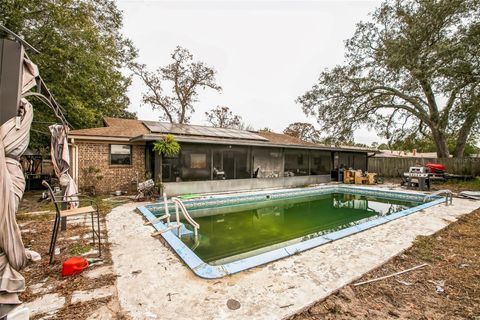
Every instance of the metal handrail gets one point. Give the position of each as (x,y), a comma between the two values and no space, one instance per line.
(165,216)
(447,193)
(179,203)
(165,205)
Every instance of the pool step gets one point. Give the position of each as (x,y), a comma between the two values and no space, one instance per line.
(183,230)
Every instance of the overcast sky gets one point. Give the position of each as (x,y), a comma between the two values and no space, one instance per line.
(266,53)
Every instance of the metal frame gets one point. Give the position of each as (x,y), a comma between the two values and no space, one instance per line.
(58,218)
(42,90)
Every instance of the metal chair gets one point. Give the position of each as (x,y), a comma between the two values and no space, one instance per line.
(145,189)
(63,213)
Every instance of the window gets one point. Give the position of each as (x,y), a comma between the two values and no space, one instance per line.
(351,160)
(120,154)
(231,162)
(296,163)
(320,162)
(198,161)
(194,163)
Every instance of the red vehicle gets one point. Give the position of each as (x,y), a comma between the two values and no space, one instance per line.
(436,168)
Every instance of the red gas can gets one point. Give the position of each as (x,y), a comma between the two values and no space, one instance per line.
(73,266)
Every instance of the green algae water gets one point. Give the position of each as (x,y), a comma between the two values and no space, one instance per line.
(235,232)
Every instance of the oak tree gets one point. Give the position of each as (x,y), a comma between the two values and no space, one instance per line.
(173,89)
(82,53)
(413,69)
(303,130)
(223,117)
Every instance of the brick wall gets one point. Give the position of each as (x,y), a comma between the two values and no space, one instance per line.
(115,177)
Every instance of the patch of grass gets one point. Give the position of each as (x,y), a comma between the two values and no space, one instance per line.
(471,184)
(104,206)
(35,206)
(23,217)
(79,248)
(424,248)
(460,185)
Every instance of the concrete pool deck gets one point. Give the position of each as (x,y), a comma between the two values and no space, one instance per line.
(153,283)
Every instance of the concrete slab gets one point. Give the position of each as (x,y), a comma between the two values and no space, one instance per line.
(103,313)
(41,287)
(98,272)
(48,304)
(170,290)
(84,296)
(92,251)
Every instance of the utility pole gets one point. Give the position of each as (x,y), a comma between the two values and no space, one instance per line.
(11,73)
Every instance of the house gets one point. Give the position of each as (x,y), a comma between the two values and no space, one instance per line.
(405,154)
(210,160)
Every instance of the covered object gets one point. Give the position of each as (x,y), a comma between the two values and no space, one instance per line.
(14,139)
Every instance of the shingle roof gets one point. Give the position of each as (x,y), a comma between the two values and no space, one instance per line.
(115,127)
(136,130)
(284,139)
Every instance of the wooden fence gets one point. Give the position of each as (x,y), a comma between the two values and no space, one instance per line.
(389,166)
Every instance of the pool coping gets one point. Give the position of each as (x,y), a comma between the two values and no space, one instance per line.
(207,271)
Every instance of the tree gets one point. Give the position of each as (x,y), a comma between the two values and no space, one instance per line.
(82,52)
(265,129)
(426,144)
(302,130)
(247,127)
(185,77)
(223,117)
(414,69)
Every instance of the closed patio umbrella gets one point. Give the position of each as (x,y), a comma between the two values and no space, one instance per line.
(61,161)
(14,139)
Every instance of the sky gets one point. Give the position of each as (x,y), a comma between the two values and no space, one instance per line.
(266,52)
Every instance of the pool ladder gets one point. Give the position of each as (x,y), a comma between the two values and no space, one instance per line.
(177,224)
(447,193)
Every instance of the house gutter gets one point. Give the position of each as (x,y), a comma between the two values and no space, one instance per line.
(99,138)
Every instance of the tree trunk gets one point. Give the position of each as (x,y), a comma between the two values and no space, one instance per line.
(463,134)
(441,143)
(460,145)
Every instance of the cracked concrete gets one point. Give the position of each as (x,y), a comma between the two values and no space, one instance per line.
(167,289)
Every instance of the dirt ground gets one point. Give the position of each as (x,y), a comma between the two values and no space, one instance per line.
(36,232)
(447,288)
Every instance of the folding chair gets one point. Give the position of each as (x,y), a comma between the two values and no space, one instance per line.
(63,213)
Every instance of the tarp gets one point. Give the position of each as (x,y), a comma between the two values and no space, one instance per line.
(475,195)
(14,139)
(61,162)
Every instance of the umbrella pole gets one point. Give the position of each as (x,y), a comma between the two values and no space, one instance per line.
(63,223)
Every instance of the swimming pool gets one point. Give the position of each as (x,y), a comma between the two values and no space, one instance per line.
(245,230)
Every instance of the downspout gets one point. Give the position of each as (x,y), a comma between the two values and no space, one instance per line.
(74,161)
